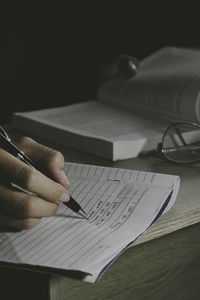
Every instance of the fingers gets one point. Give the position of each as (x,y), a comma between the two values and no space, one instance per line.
(31,179)
(8,221)
(24,205)
(48,161)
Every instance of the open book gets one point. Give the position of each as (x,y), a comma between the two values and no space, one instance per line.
(121,205)
(130,113)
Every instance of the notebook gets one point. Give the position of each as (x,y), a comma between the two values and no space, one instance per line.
(121,205)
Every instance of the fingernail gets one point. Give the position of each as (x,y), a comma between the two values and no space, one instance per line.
(132,67)
(65,197)
(64,178)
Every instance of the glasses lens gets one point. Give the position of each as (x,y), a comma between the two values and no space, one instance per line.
(181,143)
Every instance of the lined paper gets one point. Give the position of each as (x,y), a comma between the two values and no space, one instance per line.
(121,205)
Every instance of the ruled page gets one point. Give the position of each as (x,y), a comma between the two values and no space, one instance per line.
(121,205)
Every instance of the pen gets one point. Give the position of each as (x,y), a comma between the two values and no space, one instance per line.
(6,144)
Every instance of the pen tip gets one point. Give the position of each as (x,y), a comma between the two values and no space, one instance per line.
(82,214)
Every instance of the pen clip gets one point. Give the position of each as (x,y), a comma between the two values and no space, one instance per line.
(12,149)
(21,156)
(4,133)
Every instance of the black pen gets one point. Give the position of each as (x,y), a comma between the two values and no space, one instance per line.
(6,144)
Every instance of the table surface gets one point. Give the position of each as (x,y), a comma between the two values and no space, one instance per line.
(185,211)
(155,269)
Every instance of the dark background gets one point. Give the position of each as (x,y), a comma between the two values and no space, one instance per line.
(50,52)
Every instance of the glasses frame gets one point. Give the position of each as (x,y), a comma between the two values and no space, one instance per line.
(159,153)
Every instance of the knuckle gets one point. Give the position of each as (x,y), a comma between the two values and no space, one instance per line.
(25,178)
(26,207)
(51,157)
(55,157)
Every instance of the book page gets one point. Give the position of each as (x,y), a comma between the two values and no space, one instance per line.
(121,205)
(94,127)
(94,119)
(167,85)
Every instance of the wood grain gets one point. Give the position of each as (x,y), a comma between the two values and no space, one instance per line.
(165,268)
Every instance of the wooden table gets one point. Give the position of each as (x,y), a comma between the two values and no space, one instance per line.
(163,264)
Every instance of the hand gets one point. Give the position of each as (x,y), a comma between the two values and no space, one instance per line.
(19,210)
(121,64)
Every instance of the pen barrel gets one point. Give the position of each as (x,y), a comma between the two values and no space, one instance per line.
(7,145)
(73,205)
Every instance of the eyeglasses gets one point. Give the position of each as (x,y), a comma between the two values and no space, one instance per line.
(180,144)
